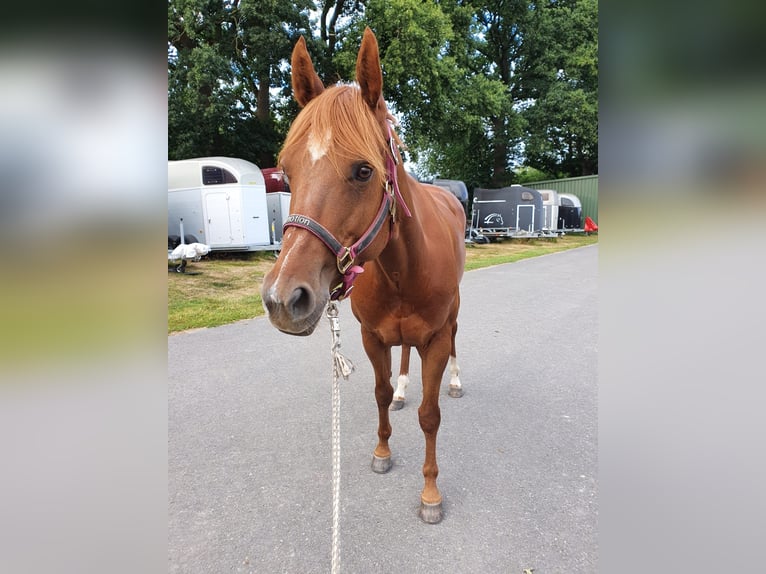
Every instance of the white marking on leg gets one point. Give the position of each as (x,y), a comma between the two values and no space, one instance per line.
(401,387)
(317,145)
(454,373)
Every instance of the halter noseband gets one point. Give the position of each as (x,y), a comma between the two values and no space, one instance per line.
(346,256)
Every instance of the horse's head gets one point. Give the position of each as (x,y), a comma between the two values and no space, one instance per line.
(339,161)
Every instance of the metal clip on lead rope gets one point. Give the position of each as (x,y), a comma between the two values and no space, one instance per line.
(342,367)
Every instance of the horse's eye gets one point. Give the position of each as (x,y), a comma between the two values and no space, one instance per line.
(363,172)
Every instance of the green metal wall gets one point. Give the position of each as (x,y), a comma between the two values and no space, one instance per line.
(585,188)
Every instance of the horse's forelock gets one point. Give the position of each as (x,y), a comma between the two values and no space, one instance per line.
(353,131)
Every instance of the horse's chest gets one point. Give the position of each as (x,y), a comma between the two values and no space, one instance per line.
(411,330)
(401,312)
(403,323)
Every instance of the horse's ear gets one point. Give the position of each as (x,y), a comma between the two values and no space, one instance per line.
(369,76)
(306,82)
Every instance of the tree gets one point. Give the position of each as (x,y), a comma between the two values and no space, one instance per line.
(224,59)
(480,86)
(562,81)
(502,82)
(432,81)
(503,26)
(411,35)
(332,14)
(199,107)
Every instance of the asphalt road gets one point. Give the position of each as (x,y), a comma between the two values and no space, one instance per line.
(249,465)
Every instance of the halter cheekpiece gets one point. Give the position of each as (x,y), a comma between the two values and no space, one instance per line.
(346,256)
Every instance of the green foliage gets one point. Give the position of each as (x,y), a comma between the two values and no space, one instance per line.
(527,174)
(416,74)
(224,60)
(562,133)
(480,87)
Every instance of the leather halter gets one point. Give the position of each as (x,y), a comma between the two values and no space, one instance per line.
(346,256)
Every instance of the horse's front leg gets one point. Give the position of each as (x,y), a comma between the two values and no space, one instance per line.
(380,357)
(434,358)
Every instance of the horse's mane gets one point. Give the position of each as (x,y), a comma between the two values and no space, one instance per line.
(355,135)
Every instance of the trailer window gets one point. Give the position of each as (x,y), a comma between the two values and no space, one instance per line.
(212,175)
(566,202)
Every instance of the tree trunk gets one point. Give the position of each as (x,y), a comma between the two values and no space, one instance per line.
(263,115)
(499,153)
(263,98)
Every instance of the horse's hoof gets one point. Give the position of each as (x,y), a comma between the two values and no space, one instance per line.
(455,392)
(396,405)
(431,513)
(381,465)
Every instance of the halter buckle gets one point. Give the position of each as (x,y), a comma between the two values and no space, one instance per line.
(392,197)
(337,293)
(345,261)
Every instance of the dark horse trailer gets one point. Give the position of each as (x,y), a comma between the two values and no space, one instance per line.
(507,212)
(454,186)
(570,211)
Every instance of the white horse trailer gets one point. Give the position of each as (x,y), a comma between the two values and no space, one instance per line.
(278,203)
(220,201)
(550,210)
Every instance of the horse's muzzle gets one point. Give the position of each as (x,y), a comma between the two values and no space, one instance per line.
(297,313)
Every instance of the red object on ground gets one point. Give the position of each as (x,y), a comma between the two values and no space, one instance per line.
(590,225)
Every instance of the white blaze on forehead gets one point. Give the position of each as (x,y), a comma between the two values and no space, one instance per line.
(317,145)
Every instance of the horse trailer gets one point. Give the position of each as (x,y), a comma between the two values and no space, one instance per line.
(570,212)
(455,187)
(585,188)
(278,203)
(220,201)
(550,210)
(275,180)
(513,211)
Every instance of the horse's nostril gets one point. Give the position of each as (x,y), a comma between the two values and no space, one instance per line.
(269,302)
(301,302)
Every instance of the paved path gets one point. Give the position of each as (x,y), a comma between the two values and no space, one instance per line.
(249,467)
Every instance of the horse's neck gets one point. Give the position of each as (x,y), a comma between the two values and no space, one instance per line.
(403,254)
(397,255)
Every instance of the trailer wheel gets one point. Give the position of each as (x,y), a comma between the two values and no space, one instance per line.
(190,239)
(173,241)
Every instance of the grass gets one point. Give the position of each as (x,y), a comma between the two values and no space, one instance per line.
(225,287)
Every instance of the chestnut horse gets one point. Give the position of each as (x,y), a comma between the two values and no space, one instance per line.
(357,219)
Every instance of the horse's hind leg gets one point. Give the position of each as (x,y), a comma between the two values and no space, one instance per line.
(455,388)
(403,380)
(380,357)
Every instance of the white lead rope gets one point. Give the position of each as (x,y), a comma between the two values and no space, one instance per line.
(341,367)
